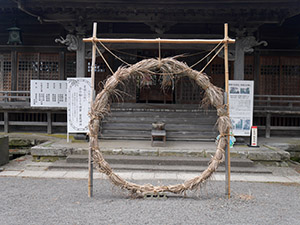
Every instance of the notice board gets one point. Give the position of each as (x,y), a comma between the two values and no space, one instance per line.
(241,94)
(48,93)
(79,104)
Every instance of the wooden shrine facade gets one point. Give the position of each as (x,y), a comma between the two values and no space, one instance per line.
(253,24)
(273,75)
(267,48)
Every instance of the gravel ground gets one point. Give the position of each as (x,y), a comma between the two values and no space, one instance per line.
(65,201)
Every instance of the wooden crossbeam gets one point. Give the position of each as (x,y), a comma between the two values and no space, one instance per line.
(158,40)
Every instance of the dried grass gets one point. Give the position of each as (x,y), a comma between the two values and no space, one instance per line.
(171,68)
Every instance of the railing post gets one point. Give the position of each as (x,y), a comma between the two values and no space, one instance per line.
(6,130)
(269,101)
(49,123)
(5,97)
(268,125)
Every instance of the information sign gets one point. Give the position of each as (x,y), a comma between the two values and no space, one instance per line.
(241,106)
(79,101)
(48,93)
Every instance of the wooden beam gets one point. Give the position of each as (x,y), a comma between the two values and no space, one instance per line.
(158,40)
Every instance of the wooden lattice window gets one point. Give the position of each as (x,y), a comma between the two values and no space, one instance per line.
(290,75)
(28,69)
(269,75)
(48,66)
(187,92)
(37,66)
(249,68)
(70,68)
(217,72)
(5,72)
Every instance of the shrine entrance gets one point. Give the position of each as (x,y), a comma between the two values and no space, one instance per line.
(152,92)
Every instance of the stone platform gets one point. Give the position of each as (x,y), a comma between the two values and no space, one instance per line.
(267,152)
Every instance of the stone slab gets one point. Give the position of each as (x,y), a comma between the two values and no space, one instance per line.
(53,174)
(159,176)
(142,176)
(29,173)
(124,175)
(10,173)
(294,179)
(76,174)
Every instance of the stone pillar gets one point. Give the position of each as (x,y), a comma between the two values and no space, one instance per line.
(80,58)
(243,45)
(239,60)
(75,43)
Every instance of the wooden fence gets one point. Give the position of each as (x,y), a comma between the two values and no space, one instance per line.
(272,113)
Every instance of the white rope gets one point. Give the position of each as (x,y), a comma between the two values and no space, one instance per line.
(117,57)
(212,59)
(112,72)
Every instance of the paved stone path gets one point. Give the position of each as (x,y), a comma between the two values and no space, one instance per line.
(24,167)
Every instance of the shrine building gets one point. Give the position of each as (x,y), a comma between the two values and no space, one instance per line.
(42,39)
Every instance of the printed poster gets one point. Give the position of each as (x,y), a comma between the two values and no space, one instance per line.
(48,93)
(241,94)
(79,102)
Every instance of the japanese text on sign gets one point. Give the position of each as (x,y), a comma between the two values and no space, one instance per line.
(241,106)
(79,100)
(48,93)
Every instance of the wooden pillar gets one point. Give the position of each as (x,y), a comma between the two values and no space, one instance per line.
(49,122)
(6,130)
(239,62)
(268,125)
(14,66)
(62,65)
(80,58)
(256,72)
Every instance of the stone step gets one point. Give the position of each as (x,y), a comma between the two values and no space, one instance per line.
(134,121)
(165,114)
(157,106)
(148,126)
(159,161)
(63,165)
(146,134)
(168,121)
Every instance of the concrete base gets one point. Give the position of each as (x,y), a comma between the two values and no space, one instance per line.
(4,150)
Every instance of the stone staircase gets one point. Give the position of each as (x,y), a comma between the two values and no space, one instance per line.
(183,122)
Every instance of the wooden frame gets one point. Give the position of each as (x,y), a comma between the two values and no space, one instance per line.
(225,41)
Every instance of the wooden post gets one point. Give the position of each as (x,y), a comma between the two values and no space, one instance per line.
(268,125)
(62,66)
(14,67)
(227,153)
(90,180)
(49,123)
(6,130)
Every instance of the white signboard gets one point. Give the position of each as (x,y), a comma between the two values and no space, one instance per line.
(48,93)
(79,101)
(241,106)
